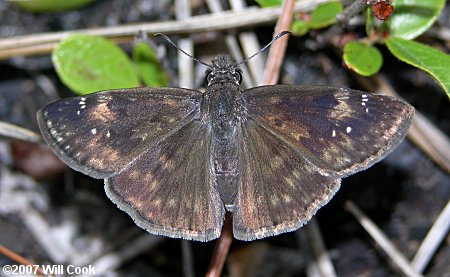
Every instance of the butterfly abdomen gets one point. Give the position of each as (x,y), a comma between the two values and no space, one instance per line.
(222,105)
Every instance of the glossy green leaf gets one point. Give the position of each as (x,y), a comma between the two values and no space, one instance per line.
(88,64)
(269,3)
(325,15)
(364,59)
(411,18)
(435,62)
(50,5)
(148,66)
(299,27)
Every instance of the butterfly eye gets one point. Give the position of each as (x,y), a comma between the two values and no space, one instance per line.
(237,75)
(209,77)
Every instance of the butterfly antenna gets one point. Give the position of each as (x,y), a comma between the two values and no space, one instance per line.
(264,48)
(181,50)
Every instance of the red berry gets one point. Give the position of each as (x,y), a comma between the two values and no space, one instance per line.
(382,10)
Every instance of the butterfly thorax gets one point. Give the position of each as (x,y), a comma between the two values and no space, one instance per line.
(223,83)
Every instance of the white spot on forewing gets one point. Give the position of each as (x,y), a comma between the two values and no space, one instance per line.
(108,134)
(67,147)
(333,134)
(78,112)
(83,106)
(348,130)
(362,103)
(367,110)
(56,135)
(364,95)
(94,131)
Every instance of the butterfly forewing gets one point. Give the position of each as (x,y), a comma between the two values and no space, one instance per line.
(170,189)
(341,131)
(101,133)
(278,190)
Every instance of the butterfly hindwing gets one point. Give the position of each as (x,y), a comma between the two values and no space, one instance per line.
(278,190)
(100,134)
(170,189)
(341,131)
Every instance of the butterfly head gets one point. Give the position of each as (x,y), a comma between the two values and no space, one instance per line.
(223,69)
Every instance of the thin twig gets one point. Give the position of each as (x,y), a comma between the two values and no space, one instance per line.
(432,241)
(312,270)
(19,259)
(350,11)
(38,226)
(185,64)
(233,46)
(113,260)
(222,247)
(250,45)
(13,131)
(304,245)
(188,261)
(277,51)
(322,257)
(23,45)
(382,240)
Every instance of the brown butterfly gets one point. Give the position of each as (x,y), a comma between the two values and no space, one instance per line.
(176,159)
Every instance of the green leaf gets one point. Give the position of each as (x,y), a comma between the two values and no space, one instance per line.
(436,63)
(148,67)
(51,5)
(364,59)
(299,27)
(411,18)
(88,64)
(325,15)
(269,3)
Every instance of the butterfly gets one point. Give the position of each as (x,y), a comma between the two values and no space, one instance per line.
(177,159)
